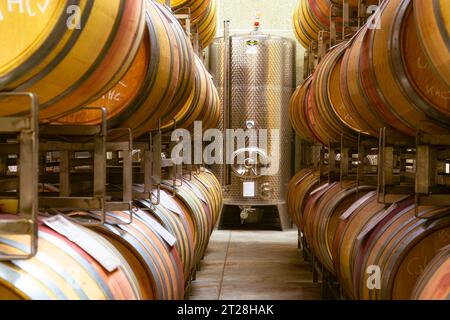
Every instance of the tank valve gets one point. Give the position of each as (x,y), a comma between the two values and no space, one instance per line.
(245,213)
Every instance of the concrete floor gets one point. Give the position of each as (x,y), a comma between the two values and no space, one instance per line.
(254,265)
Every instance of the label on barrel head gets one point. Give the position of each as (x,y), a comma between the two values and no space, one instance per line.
(157,227)
(84,240)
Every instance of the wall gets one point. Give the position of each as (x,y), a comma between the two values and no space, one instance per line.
(275,18)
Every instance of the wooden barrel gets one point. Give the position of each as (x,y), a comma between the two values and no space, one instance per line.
(209,109)
(333,118)
(198,8)
(172,214)
(307,25)
(186,72)
(331,91)
(298,110)
(203,104)
(434,283)
(62,270)
(298,192)
(432,20)
(345,242)
(157,264)
(409,256)
(203,17)
(352,91)
(200,197)
(401,245)
(310,17)
(401,85)
(159,83)
(207,26)
(200,213)
(66,67)
(206,184)
(321,220)
(211,115)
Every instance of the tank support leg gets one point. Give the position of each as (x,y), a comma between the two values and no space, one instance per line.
(285,221)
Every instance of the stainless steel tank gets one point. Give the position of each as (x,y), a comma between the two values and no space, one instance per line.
(261,80)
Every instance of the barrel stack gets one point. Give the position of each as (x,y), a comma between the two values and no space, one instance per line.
(203,17)
(135,60)
(389,77)
(154,75)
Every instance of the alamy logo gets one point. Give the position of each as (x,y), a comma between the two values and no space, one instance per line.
(374,279)
(74,19)
(257,151)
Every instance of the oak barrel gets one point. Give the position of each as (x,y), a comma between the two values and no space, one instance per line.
(62,270)
(159,82)
(298,109)
(321,220)
(434,283)
(402,249)
(172,214)
(299,189)
(329,115)
(207,25)
(157,264)
(202,105)
(65,64)
(432,20)
(311,17)
(401,86)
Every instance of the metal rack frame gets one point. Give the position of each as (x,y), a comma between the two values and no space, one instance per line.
(184,14)
(67,139)
(35,139)
(27,128)
(351,20)
(330,286)
(430,151)
(347,160)
(396,153)
(393,176)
